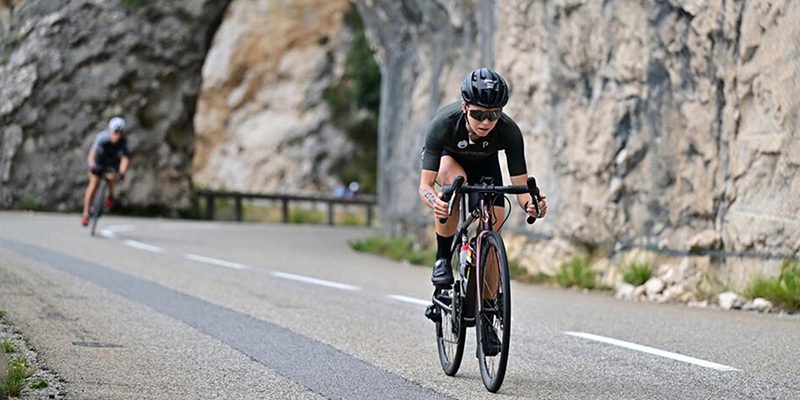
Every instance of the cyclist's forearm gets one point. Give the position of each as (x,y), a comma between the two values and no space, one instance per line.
(428,196)
(523,198)
(123,165)
(92,155)
(426,191)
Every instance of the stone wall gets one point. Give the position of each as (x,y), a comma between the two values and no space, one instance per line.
(668,123)
(262,122)
(67,67)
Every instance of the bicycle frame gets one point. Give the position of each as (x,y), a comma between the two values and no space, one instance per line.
(466,219)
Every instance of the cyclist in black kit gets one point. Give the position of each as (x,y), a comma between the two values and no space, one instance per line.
(109,155)
(463,140)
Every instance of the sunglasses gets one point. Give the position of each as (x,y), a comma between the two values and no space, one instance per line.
(482,115)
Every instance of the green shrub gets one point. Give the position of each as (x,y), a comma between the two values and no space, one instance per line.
(18,372)
(354,101)
(521,274)
(637,273)
(40,384)
(303,216)
(576,273)
(350,219)
(8,346)
(397,248)
(783,291)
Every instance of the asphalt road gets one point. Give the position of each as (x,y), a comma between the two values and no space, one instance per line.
(161,309)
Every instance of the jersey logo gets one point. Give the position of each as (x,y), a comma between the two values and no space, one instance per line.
(462,144)
(485,144)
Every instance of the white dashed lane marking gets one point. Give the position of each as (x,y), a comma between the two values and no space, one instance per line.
(654,351)
(314,281)
(214,261)
(143,246)
(411,300)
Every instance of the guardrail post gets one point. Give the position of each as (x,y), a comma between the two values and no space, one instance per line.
(238,207)
(330,213)
(285,207)
(369,215)
(209,206)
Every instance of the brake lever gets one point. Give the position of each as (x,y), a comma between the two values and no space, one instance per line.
(448,195)
(534,191)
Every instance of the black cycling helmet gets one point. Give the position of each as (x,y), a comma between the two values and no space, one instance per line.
(485,88)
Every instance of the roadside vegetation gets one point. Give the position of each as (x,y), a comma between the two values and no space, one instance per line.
(637,273)
(397,248)
(18,371)
(521,274)
(783,291)
(299,213)
(354,101)
(577,273)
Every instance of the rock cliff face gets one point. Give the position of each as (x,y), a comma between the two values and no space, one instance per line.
(67,67)
(262,122)
(6,6)
(672,123)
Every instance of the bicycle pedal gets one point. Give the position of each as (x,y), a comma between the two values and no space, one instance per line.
(431,314)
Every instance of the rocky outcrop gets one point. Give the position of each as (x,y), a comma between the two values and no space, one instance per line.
(262,122)
(67,67)
(424,48)
(6,6)
(646,122)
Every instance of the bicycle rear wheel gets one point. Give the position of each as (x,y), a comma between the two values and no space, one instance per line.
(495,315)
(97,204)
(451,332)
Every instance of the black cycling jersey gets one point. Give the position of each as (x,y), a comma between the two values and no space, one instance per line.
(108,152)
(447,134)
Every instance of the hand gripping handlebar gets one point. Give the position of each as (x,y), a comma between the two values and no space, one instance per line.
(447,195)
(534,191)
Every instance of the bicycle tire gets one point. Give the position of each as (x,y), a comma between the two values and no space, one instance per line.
(97,204)
(493,368)
(451,345)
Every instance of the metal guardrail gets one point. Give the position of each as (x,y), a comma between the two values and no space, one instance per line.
(211,195)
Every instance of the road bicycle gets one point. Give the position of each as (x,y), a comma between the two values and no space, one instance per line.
(97,205)
(481,294)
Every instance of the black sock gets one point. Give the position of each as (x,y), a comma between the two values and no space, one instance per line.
(443,245)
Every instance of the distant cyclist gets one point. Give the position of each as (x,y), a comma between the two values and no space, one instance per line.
(109,155)
(463,140)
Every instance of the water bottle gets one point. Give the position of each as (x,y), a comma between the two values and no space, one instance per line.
(465,257)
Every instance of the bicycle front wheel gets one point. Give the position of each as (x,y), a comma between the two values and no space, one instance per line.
(493,319)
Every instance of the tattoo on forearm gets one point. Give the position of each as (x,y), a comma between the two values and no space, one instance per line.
(430,197)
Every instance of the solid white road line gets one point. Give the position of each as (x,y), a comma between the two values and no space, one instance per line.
(214,261)
(143,246)
(654,351)
(410,300)
(107,234)
(314,281)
